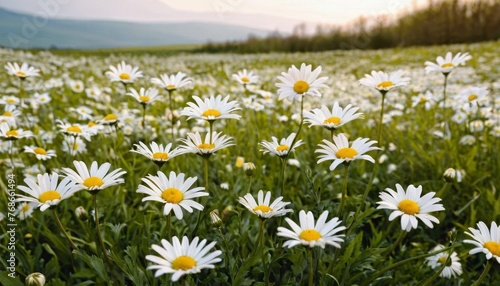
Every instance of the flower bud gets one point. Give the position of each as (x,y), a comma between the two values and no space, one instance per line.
(227,211)
(81,213)
(452,175)
(249,168)
(35,279)
(214,216)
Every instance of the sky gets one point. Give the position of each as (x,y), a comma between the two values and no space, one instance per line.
(280,15)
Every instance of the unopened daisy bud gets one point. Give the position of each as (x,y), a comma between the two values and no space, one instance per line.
(28,236)
(81,213)
(452,175)
(249,168)
(35,279)
(227,211)
(214,216)
(240,161)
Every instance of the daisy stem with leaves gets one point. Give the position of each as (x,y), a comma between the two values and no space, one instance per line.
(283,167)
(445,114)
(169,226)
(171,107)
(311,268)
(62,229)
(344,189)
(483,275)
(393,246)
(101,242)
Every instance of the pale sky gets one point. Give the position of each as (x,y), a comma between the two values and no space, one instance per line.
(267,14)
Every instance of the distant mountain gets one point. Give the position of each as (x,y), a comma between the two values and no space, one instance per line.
(25,31)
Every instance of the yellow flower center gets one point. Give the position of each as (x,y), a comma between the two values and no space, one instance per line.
(172,195)
(211,112)
(345,153)
(282,148)
(447,65)
(75,147)
(472,97)
(170,86)
(183,262)
(206,146)
(301,86)
(11,101)
(7,113)
(385,84)
(408,207)
(245,79)
(144,98)
(110,117)
(332,120)
(423,99)
(40,151)
(91,124)
(310,235)
(493,247)
(49,196)
(92,182)
(12,133)
(74,129)
(21,74)
(77,86)
(25,208)
(160,156)
(263,208)
(124,76)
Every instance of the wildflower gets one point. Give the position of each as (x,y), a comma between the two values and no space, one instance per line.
(211,109)
(13,134)
(245,77)
(296,83)
(340,152)
(40,153)
(427,100)
(452,175)
(110,119)
(310,234)
(467,140)
(42,98)
(75,130)
(81,213)
(293,162)
(144,96)
(123,73)
(195,144)
(22,71)
(157,153)
(172,82)
(473,94)
(281,148)
(96,178)
(25,210)
(447,64)
(10,115)
(453,268)
(486,240)
(384,82)
(239,161)
(263,208)
(73,145)
(46,192)
(76,86)
(249,168)
(410,205)
(35,279)
(180,258)
(215,219)
(334,119)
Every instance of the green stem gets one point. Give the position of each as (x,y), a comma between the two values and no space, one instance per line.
(62,228)
(283,167)
(11,155)
(311,271)
(344,189)
(211,123)
(393,246)
(380,120)
(397,264)
(171,104)
(436,275)
(169,226)
(144,121)
(483,275)
(445,114)
(205,172)
(332,132)
(101,242)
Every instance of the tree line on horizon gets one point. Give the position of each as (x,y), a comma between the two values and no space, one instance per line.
(438,22)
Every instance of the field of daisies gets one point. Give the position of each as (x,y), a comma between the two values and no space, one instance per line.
(332,168)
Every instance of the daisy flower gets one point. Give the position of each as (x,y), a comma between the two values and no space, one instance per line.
(10,115)
(281,148)
(340,152)
(173,191)
(447,64)
(42,98)
(453,267)
(96,178)
(22,71)
(263,208)
(211,109)
(110,119)
(485,240)
(76,86)
(13,134)
(123,73)
(144,96)
(46,191)
(384,82)
(73,145)
(426,99)
(473,94)
(83,112)
(195,144)
(410,205)
(331,120)
(10,100)
(25,210)
(75,130)
(172,82)
(156,153)
(40,153)
(245,77)
(310,234)
(296,83)
(180,258)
